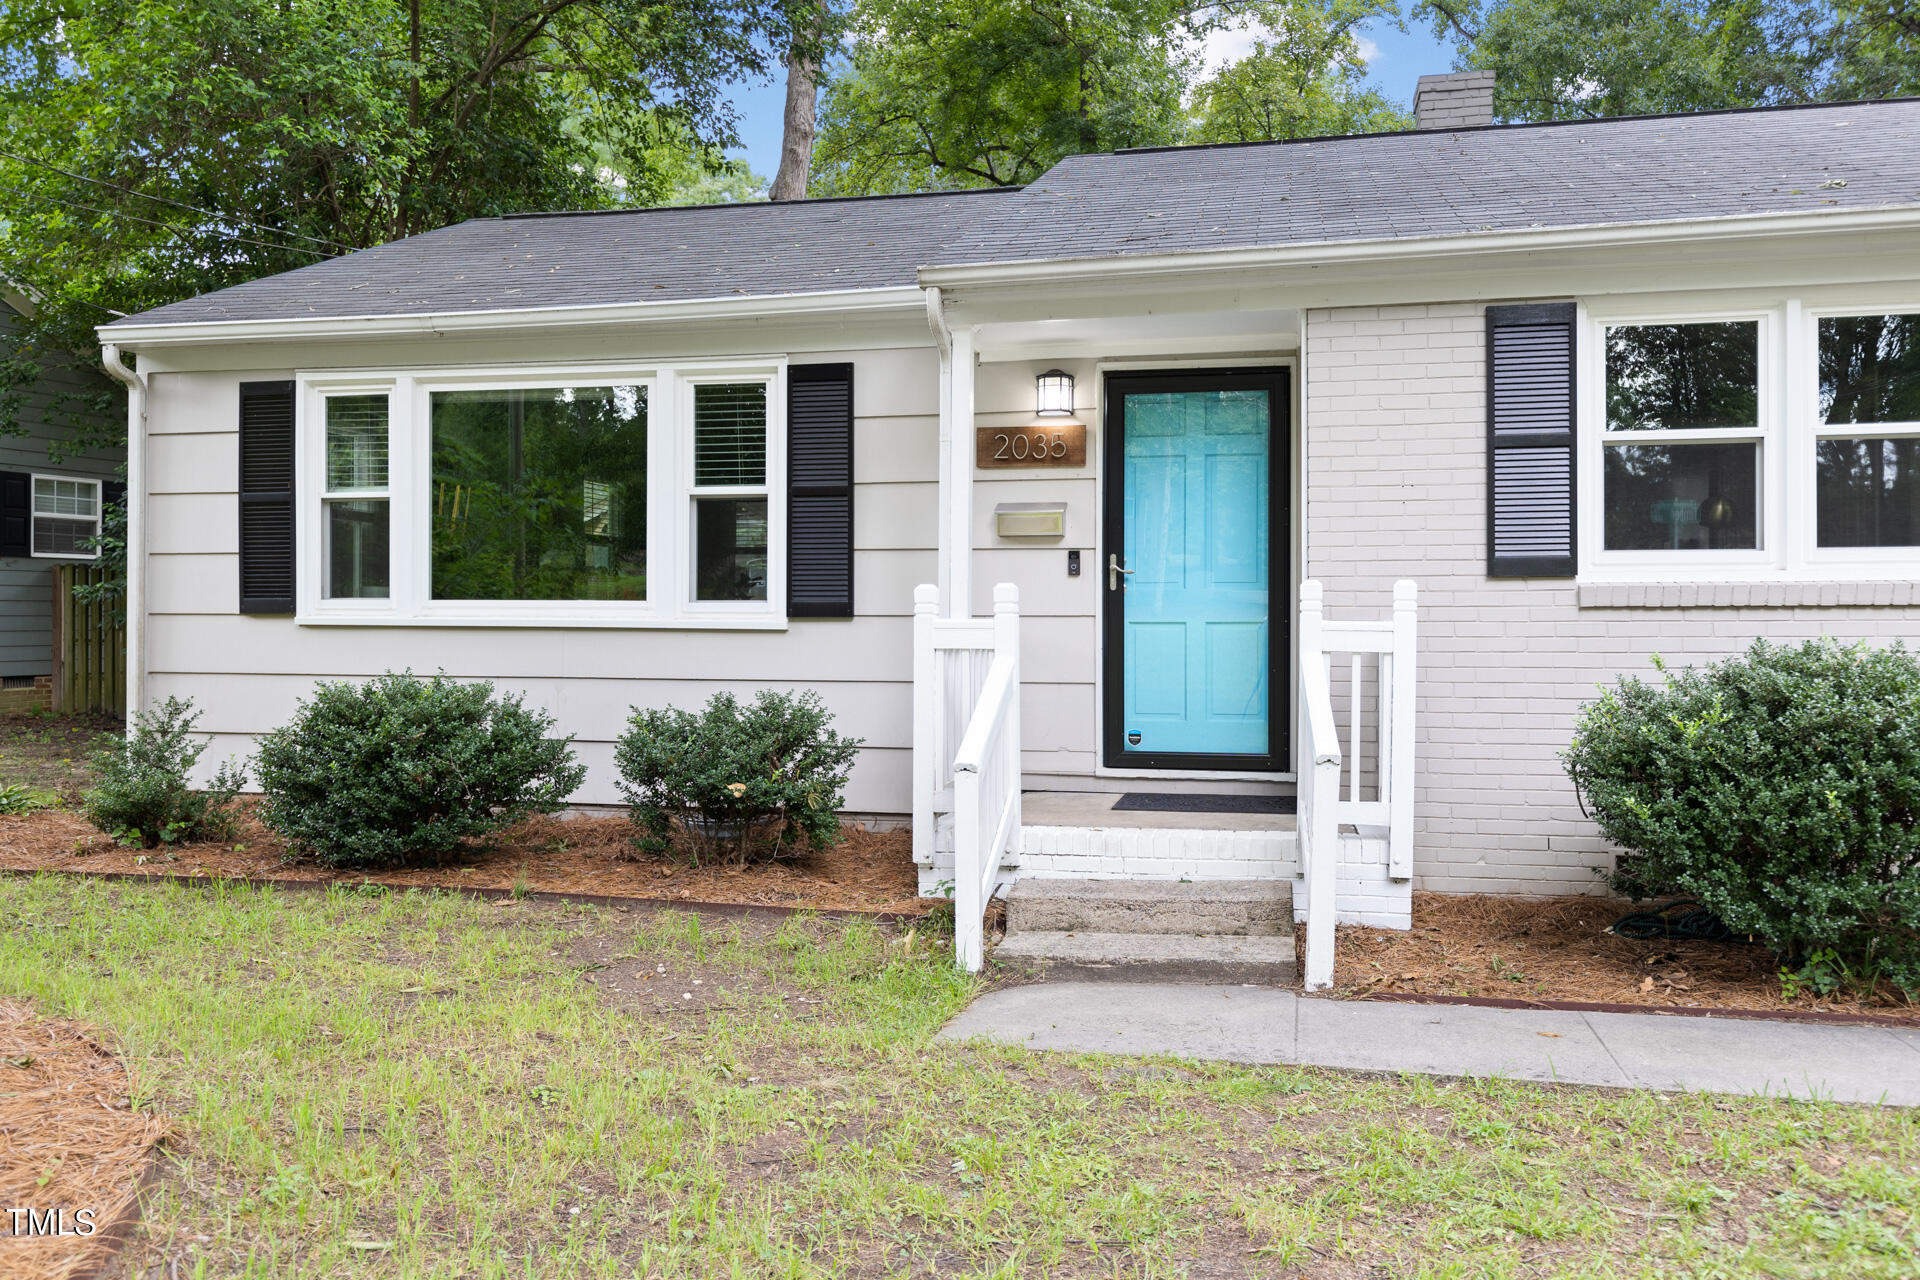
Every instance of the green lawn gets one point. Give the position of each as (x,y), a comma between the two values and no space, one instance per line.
(427,1086)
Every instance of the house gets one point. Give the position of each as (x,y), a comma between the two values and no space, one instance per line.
(52,495)
(1100,486)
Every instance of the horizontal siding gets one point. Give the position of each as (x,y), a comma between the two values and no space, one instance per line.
(46,420)
(26,617)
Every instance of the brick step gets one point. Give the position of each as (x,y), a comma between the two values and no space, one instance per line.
(1231,908)
(1147,957)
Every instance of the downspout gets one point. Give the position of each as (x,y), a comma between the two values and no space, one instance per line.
(136,596)
(943,341)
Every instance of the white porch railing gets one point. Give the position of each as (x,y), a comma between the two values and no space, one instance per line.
(1373,800)
(966,750)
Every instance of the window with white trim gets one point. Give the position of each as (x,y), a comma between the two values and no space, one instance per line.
(1683,446)
(357,509)
(66,518)
(567,496)
(729,491)
(1867,431)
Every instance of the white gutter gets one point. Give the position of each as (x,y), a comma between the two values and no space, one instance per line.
(943,556)
(1349,252)
(501,319)
(135,599)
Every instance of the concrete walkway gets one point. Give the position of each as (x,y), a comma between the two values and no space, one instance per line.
(1626,1050)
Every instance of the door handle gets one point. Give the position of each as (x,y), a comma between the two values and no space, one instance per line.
(1114,571)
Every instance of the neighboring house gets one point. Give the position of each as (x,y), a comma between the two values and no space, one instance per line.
(50,508)
(636,457)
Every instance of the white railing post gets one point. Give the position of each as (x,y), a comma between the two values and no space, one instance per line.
(1400,793)
(926,765)
(1006,643)
(1319,786)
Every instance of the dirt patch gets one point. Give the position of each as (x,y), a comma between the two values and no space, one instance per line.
(1563,949)
(866,871)
(73,1151)
(53,753)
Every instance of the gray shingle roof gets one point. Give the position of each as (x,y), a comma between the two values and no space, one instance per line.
(1172,200)
(642,255)
(1386,186)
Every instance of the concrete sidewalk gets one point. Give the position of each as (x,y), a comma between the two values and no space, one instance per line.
(1626,1050)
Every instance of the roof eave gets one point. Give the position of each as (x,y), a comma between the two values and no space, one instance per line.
(1114,268)
(134,336)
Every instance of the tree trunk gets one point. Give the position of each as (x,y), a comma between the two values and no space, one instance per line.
(796,143)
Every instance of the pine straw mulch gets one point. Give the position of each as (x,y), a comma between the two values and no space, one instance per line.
(69,1140)
(867,871)
(1561,949)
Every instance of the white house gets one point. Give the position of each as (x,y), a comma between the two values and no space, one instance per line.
(1598,390)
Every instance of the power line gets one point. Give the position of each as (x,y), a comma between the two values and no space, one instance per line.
(167,226)
(191,208)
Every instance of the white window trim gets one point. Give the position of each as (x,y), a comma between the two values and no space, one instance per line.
(1788,411)
(99,513)
(669,603)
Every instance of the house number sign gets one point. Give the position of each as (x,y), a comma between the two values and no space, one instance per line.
(1053,445)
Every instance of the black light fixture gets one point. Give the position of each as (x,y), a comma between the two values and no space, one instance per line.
(1053,394)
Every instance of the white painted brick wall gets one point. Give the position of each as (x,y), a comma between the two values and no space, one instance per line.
(1396,488)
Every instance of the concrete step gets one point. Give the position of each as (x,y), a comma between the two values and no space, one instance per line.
(1239,908)
(1148,957)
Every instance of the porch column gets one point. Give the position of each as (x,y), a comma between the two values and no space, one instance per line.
(956,538)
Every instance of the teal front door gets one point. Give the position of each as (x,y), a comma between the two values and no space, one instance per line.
(1195,548)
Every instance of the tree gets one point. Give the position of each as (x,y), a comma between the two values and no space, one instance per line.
(972,93)
(152,151)
(814,27)
(1581,59)
(1304,79)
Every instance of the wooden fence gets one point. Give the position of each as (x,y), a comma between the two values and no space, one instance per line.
(89,648)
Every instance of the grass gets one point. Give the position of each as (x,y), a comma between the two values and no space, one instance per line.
(408,1085)
(49,755)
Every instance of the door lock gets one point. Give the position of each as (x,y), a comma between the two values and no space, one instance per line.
(1114,571)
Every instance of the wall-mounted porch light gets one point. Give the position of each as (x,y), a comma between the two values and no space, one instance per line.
(1053,394)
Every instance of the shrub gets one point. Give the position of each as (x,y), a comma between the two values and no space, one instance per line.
(143,797)
(400,769)
(742,781)
(1781,789)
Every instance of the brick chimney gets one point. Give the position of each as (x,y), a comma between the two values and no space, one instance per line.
(1462,100)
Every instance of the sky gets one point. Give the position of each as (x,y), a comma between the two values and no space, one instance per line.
(1395,61)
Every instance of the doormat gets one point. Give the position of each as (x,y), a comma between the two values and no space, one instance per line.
(1150,802)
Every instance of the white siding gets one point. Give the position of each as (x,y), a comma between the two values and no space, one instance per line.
(1396,488)
(247,673)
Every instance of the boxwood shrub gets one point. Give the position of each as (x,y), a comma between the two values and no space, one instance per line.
(401,770)
(1781,789)
(143,797)
(742,782)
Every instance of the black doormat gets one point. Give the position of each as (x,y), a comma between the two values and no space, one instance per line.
(1149,802)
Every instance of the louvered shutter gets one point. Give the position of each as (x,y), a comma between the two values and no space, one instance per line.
(16,513)
(820,491)
(1530,440)
(266,497)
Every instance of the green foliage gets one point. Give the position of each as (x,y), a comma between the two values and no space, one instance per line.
(1580,59)
(971,93)
(1304,80)
(742,781)
(400,769)
(18,797)
(161,149)
(142,796)
(1781,789)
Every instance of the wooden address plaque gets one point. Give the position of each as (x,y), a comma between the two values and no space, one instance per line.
(1061,445)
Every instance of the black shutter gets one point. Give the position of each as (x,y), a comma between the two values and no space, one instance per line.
(16,513)
(266,497)
(820,491)
(1530,441)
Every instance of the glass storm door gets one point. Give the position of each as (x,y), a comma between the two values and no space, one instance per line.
(1195,546)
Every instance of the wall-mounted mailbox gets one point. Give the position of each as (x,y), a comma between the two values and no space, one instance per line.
(1030,519)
